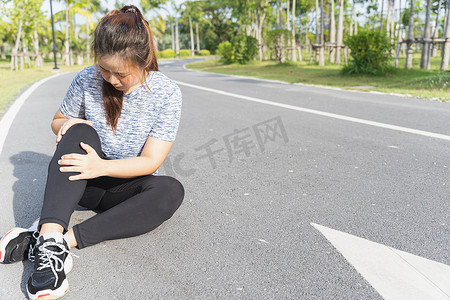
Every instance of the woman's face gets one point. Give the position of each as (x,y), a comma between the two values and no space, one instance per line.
(124,76)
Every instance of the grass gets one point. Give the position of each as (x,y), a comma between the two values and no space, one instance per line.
(428,84)
(12,83)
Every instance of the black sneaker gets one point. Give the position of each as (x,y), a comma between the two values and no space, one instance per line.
(52,262)
(18,244)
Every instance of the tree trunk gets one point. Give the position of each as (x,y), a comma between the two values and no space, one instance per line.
(436,31)
(294,44)
(173,36)
(279,15)
(38,60)
(425,58)
(67,42)
(3,51)
(191,32)
(26,55)
(355,32)
(299,47)
(177,40)
(260,22)
(352,19)
(258,34)
(198,38)
(288,14)
(15,50)
(381,17)
(388,19)
(409,39)
(88,43)
(322,42)
(399,35)
(393,21)
(332,33)
(317,36)
(446,46)
(340,32)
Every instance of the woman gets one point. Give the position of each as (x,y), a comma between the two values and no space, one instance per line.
(114,129)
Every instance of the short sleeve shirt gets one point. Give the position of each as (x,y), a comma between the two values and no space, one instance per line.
(152,109)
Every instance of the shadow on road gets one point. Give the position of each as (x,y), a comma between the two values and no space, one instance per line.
(30,169)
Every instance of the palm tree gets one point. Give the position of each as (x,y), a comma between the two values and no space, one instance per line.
(425,59)
(294,46)
(322,41)
(340,32)
(446,46)
(409,40)
(436,31)
(332,33)
(86,9)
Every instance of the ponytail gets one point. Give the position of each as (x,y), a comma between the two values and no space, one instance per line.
(123,32)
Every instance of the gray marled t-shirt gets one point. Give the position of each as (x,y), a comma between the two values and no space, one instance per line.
(155,112)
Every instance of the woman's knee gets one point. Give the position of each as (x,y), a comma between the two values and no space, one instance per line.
(171,195)
(78,133)
(81,130)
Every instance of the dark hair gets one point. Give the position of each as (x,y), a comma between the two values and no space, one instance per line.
(123,32)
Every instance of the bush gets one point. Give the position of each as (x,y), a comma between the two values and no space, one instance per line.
(185,52)
(168,53)
(245,48)
(370,52)
(205,53)
(226,51)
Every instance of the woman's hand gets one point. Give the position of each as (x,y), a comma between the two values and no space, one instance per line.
(69,123)
(89,165)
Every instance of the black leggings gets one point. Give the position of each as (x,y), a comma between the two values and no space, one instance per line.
(126,207)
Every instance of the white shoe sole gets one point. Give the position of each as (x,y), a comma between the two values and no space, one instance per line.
(12,234)
(8,237)
(50,294)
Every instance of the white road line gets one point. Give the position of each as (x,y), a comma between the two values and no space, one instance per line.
(321,113)
(395,274)
(8,118)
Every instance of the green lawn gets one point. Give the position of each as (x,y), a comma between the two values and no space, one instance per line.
(429,84)
(13,83)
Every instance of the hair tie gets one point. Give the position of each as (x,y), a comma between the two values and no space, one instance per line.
(130,10)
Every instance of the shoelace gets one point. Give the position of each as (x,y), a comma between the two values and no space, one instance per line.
(49,258)
(31,255)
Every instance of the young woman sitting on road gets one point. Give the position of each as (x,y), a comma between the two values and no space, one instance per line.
(114,129)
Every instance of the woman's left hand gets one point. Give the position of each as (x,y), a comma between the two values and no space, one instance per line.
(89,165)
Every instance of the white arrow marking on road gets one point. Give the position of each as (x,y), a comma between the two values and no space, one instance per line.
(393,273)
(321,113)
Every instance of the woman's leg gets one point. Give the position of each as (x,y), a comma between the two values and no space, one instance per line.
(61,195)
(129,208)
(52,257)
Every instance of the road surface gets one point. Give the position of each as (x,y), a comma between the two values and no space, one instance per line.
(292,192)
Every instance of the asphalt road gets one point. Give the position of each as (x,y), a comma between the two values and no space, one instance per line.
(256,176)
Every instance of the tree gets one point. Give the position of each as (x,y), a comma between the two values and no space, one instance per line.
(446,46)
(294,46)
(409,41)
(340,32)
(332,33)
(436,31)
(322,35)
(426,48)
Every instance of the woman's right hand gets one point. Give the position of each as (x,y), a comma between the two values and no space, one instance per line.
(66,125)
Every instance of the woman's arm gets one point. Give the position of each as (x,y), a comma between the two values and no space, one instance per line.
(153,155)
(90,165)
